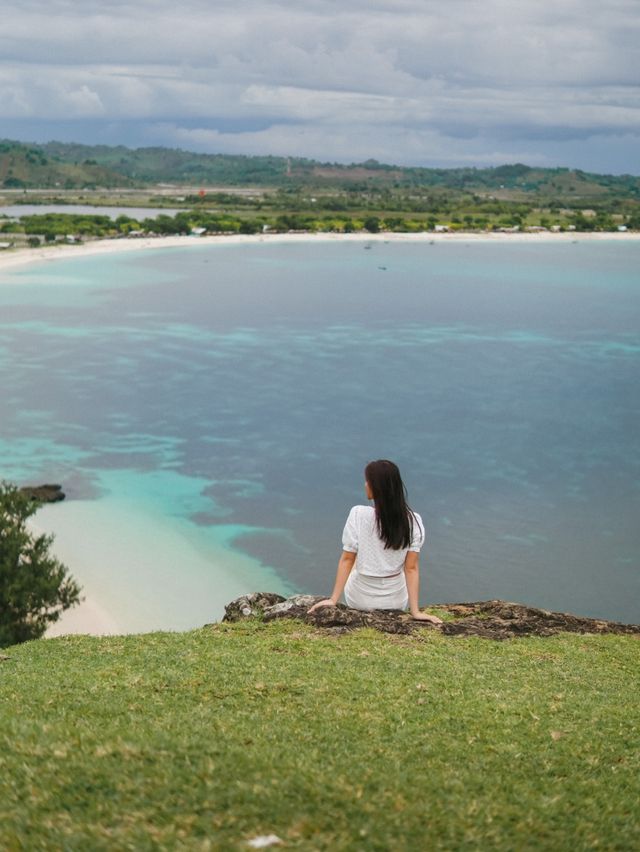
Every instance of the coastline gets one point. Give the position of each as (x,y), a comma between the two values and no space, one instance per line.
(14,258)
(132,566)
(88,617)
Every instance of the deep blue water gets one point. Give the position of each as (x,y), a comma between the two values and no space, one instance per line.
(502,378)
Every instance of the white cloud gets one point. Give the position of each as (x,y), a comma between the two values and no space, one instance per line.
(328,143)
(465,78)
(82,101)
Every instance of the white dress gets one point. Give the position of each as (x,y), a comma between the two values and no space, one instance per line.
(377,578)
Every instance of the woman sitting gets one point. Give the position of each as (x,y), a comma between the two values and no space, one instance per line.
(379,566)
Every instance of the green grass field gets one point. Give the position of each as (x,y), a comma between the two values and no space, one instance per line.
(204,740)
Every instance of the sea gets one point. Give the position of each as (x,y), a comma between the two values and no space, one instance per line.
(209,411)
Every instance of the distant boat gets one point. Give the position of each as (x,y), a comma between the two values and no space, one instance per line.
(367,247)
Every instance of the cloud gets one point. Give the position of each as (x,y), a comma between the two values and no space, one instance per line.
(328,144)
(411,78)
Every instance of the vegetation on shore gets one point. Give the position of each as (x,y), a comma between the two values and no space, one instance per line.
(36,229)
(207,739)
(35,587)
(233,194)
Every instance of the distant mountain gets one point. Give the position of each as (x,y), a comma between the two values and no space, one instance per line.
(29,166)
(69,165)
(158,165)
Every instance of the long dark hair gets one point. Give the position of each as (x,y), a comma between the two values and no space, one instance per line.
(394,517)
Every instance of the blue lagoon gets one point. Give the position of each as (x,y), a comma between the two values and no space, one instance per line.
(209,411)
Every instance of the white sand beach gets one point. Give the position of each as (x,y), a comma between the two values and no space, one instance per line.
(137,569)
(89,618)
(12,258)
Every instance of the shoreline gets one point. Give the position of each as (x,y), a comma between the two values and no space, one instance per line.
(88,617)
(142,569)
(14,258)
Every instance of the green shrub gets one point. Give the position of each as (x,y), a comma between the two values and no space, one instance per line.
(34,586)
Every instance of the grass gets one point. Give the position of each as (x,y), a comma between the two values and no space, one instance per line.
(206,739)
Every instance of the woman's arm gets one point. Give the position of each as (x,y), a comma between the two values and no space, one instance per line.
(412,576)
(346,563)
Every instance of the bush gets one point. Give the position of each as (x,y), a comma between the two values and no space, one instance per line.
(35,587)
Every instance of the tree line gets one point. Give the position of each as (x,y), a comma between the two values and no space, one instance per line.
(53,226)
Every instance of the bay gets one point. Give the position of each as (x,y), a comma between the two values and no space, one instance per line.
(235,393)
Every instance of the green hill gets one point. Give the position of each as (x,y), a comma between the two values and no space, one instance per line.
(205,740)
(73,165)
(153,165)
(27,166)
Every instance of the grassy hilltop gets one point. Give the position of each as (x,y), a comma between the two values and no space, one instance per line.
(204,740)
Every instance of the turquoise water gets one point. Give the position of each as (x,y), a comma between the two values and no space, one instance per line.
(254,382)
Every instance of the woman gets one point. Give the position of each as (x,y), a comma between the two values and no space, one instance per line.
(379,565)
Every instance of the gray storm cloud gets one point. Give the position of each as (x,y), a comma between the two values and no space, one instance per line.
(413,82)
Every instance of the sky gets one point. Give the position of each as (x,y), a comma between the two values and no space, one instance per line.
(410,82)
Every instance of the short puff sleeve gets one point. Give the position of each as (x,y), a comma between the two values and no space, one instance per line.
(417,534)
(350,533)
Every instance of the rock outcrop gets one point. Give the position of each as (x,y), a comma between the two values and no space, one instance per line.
(487,619)
(43,493)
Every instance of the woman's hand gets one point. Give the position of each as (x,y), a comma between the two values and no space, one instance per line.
(346,563)
(325,602)
(424,616)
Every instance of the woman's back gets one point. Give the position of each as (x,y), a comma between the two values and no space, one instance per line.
(361,536)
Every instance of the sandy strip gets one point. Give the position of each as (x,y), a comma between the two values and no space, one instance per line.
(11,258)
(139,571)
(86,617)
